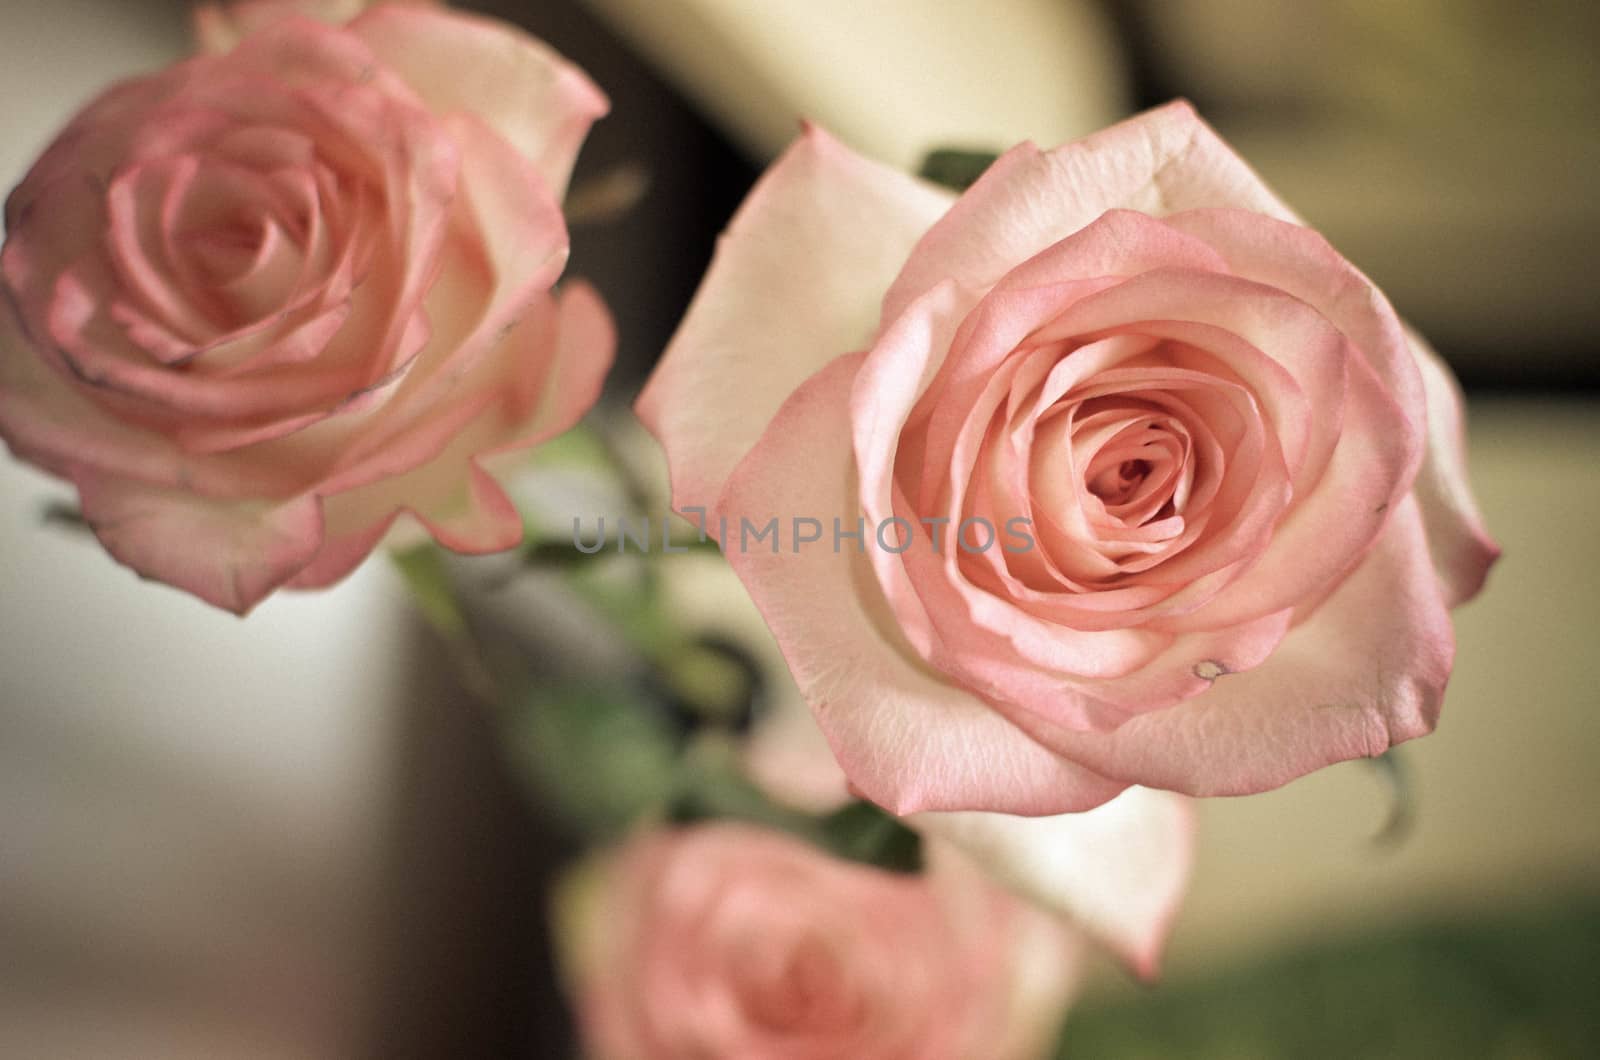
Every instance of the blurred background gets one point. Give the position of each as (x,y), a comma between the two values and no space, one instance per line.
(294,837)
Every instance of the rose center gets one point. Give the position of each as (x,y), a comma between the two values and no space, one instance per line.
(800,991)
(226,252)
(1114,485)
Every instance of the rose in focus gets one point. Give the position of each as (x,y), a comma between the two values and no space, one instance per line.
(267,300)
(1244,476)
(726,940)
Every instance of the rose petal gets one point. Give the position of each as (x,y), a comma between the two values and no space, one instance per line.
(1366,671)
(48,421)
(540,103)
(907,740)
(882,395)
(509,243)
(437,475)
(1160,162)
(1301,263)
(99,354)
(794,284)
(1326,533)
(419,164)
(83,156)
(1461,546)
(1119,870)
(231,555)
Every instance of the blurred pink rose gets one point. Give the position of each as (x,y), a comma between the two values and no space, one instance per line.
(268,299)
(729,941)
(1225,491)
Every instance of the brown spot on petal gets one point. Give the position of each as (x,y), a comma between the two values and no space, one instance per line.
(1210,669)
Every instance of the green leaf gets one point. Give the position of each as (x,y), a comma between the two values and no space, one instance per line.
(64,515)
(714,680)
(602,753)
(955,168)
(625,593)
(425,575)
(862,832)
(1393,770)
(1489,982)
(563,553)
(859,832)
(581,447)
(710,793)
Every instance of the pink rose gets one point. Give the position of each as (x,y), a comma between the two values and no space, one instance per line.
(729,941)
(269,299)
(1224,489)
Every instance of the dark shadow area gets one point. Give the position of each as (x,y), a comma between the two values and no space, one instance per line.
(467,968)
(648,262)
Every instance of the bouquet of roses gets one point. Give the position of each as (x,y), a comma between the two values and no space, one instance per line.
(1010,517)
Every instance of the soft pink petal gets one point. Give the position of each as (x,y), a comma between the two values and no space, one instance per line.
(795,283)
(1291,358)
(1366,671)
(1119,870)
(340,556)
(98,353)
(1069,271)
(437,475)
(94,143)
(231,555)
(49,422)
(136,215)
(51,225)
(383,131)
(403,142)
(788,755)
(906,739)
(882,396)
(1327,532)
(1160,162)
(1301,263)
(973,622)
(540,103)
(1462,549)
(509,244)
